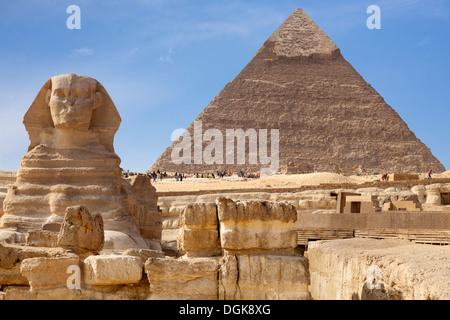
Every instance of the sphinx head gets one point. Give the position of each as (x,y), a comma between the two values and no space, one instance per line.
(72,100)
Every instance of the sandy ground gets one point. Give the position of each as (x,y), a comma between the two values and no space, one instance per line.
(269,182)
(276,181)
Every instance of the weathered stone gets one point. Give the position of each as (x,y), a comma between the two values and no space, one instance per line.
(81,230)
(12,276)
(378,269)
(264,277)
(247,225)
(52,227)
(10,254)
(48,272)
(183,279)
(11,236)
(199,216)
(199,235)
(142,205)
(144,254)
(105,270)
(42,238)
(116,240)
(124,292)
(199,243)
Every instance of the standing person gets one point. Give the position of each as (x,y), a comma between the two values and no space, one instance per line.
(429,174)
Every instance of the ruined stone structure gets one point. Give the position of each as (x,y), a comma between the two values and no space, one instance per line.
(373,269)
(329,118)
(233,251)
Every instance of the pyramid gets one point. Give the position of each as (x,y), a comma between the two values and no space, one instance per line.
(327,116)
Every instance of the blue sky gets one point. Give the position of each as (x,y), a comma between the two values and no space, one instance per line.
(163,61)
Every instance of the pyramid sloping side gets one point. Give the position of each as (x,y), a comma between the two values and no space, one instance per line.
(329,118)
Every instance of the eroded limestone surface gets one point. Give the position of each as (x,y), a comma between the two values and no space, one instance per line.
(378,269)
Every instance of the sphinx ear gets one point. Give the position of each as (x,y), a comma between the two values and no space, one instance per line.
(47,96)
(98,99)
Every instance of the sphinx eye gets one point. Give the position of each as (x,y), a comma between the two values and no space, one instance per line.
(58,92)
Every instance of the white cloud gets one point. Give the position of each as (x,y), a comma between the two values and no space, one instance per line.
(86,51)
(167,57)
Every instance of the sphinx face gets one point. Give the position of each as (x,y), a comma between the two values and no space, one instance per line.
(72,100)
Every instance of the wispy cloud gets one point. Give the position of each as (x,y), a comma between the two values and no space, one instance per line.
(215,21)
(167,57)
(86,51)
(133,51)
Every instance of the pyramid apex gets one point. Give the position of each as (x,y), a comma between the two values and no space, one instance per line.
(299,35)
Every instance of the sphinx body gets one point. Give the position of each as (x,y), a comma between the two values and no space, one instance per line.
(71,159)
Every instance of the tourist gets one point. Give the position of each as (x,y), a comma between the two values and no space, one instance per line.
(429,174)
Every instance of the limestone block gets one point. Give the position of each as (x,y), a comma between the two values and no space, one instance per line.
(144,254)
(378,269)
(81,230)
(48,272)
(42,238)
(116,240)
(199,234)
(433,194)
(199,216)
(264,277)
(10,254)
(199,243)
(11,236)
(42,293)
(183,279)
(142,205)
(86,293)
(256,225)
(12,276)
(104,270)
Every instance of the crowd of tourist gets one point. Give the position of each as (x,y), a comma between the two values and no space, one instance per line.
(159,175)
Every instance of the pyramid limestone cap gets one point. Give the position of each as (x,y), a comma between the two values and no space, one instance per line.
(299,35)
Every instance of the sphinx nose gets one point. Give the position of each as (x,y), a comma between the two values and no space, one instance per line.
(69,101)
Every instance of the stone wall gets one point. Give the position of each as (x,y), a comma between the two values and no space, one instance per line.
(372,269)
(233,251)
(377,220)
(40,273)
(317,207)
(141,201)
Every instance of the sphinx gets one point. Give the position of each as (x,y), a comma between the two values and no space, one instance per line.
(71,161)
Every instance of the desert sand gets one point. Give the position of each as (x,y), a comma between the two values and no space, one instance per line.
(269,182)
